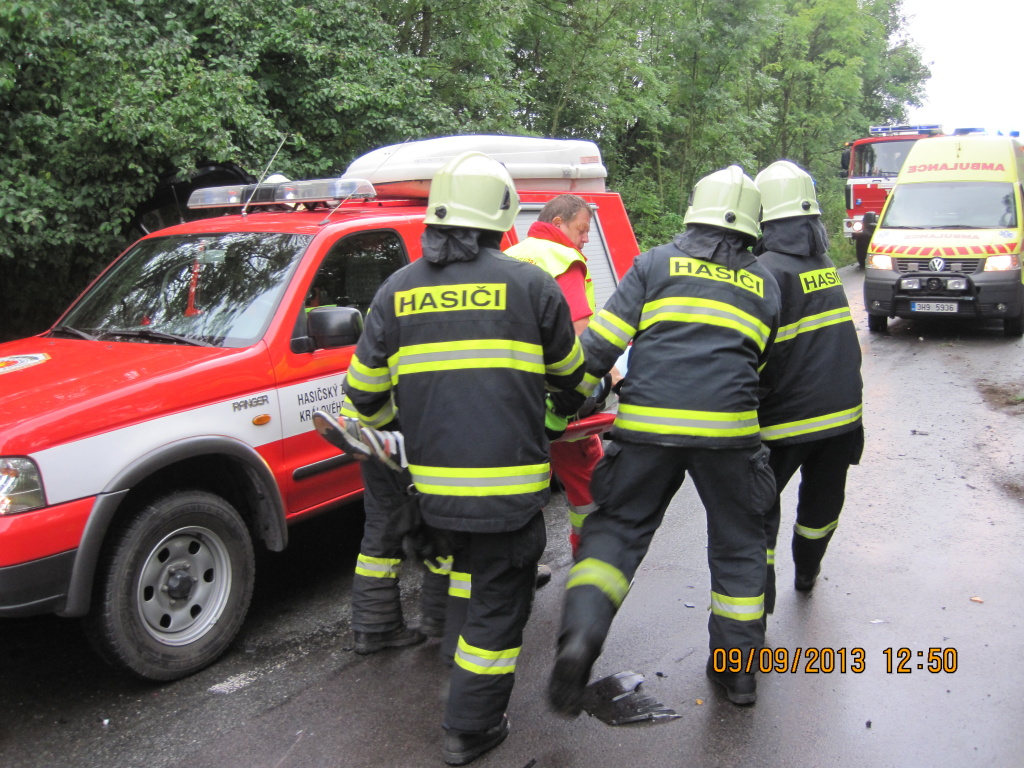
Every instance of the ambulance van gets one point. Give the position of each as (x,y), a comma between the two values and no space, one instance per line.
(950,237)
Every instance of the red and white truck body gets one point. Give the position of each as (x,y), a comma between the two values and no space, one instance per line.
(161,429)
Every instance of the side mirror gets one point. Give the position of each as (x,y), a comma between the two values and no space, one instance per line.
(870,222)
(334,326)
(844,163)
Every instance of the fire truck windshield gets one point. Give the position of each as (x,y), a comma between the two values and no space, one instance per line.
(952,205)
(215,289)
(880,158)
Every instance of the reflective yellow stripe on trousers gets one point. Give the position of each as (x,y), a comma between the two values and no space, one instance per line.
(815,533)
(484,662)
(481,481)
(739,608)
(460,585)
(597,573)
(378,567)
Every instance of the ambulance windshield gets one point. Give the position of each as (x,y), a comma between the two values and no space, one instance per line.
(881,158)
(208,290)
(952,205)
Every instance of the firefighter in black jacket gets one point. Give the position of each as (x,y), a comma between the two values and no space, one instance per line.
(467,340)
(811,387)
(702,315)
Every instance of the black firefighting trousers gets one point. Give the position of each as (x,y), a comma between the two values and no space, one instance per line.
(632,486)
(823,465)
(503,568)
(390,510)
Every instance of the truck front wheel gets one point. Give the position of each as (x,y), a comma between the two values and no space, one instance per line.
(877,323)
(172,587)
(861,246)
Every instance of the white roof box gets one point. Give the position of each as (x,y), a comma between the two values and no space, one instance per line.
(558,165)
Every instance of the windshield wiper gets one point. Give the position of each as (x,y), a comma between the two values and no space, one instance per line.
(146,333)
(72,332)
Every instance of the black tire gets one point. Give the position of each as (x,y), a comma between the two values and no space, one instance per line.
(1013,327)
(878,323)
(860,244)
(172,587)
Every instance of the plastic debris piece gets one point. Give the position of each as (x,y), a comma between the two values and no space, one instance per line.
(689,605)
(699,702)
(868,723)
(878,621)
(617,700)
(977,600)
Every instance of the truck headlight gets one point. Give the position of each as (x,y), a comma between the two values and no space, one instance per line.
(910,283)
(21,487)
(1002,263)
(858,226)
(879,261)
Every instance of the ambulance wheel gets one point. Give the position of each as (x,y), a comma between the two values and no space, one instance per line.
(1014,326)
(172,587)
(861,246)
(877,323)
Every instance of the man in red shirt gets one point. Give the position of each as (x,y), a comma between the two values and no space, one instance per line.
(555,244)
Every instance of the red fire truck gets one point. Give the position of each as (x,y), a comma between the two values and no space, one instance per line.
(161,430)
(870,166)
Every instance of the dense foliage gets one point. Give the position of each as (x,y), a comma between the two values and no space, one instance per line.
(100,98)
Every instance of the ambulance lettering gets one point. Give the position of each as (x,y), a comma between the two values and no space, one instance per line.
(929,167)
(450,298)
(681,266)
(819,279)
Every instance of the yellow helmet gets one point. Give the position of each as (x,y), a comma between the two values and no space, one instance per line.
(786,190)
(472,190)
(727,198)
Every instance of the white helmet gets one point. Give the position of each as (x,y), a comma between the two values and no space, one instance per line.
(473,190)
(786,190)
(727,198)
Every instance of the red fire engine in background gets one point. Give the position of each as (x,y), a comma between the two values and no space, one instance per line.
(870,166)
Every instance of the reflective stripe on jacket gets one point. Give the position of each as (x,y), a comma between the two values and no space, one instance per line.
(466,350)
(811,385)
(701,328)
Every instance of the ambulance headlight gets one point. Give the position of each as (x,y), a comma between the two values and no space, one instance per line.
(21,486)
(1002,263)
(910,283)
(956,284)
(879,261)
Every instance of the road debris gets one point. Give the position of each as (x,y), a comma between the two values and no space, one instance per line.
(617,700)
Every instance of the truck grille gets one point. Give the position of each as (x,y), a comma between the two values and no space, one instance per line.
(920,264)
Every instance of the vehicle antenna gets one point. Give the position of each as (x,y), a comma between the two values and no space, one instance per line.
(379,166)
(264,174)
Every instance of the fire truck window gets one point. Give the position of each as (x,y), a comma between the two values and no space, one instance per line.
(354,269)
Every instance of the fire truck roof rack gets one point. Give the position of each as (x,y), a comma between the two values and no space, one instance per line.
(560,165)
(893,130)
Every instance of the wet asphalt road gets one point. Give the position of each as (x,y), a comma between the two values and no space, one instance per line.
(927,555)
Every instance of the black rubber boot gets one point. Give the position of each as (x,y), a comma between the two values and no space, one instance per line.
(462,747)
(371,642)
(740,687)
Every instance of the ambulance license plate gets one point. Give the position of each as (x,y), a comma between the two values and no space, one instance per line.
(931,306)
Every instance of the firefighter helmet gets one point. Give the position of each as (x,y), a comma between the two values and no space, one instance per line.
(727,198)
(786,190)
(473,190)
